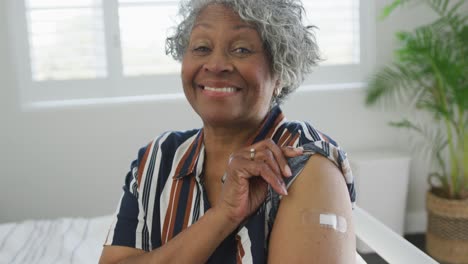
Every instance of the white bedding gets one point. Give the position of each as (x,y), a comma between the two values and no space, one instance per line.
(64,240)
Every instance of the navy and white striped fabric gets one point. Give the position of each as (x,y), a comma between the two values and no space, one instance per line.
(164,192)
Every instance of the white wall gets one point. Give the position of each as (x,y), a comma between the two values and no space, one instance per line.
(72,161)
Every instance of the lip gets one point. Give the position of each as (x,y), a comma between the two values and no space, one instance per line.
(214,93)
(217,84)
(218,93)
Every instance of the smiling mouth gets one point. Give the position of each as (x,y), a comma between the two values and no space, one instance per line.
(219,89)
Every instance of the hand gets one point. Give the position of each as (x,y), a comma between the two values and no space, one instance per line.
(246,179)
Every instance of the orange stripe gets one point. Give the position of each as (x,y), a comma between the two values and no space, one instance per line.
(240,250)
(284,137)
(277,121)
(192,165)
(292,140)
(141,166)
(252,138)
(169,213)
(173,219)
(184,158)
(189,203)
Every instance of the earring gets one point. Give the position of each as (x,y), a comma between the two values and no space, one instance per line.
(276,92)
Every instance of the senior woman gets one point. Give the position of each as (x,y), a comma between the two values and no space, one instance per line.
(249,187)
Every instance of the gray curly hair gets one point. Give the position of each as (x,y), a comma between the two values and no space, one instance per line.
(290,45)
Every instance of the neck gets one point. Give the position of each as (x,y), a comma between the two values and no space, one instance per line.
(221,142)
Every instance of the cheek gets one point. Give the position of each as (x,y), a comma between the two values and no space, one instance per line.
(264,80)
(187,72)
(184,69)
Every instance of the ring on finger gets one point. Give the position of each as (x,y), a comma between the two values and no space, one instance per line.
(252,154)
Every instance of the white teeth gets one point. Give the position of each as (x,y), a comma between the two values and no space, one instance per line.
(224,90)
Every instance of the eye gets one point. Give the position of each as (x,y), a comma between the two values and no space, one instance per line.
(201,49)
(241,50)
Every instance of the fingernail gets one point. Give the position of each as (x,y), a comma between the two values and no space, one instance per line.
(285,191)
(300,149)
(287,170)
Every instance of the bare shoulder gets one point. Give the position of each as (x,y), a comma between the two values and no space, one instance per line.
(317,200)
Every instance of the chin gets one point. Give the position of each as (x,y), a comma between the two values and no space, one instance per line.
(219,118)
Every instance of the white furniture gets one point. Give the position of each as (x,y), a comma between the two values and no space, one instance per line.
(64,240)
(388,244)
(79,240)
(381,180)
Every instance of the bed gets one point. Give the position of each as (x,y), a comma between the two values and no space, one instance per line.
(79,240)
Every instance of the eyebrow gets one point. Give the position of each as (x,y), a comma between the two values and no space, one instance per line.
(244,26)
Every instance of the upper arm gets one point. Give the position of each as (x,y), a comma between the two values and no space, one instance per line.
(125,237)
(297,236)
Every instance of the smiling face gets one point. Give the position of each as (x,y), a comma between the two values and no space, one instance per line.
(225,70)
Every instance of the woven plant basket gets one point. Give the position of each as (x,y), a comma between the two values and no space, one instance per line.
(447,229)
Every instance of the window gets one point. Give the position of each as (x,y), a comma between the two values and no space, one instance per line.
(78,49)
(66,40)
(143,27)
(337,29)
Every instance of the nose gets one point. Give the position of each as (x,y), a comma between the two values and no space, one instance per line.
(218,62)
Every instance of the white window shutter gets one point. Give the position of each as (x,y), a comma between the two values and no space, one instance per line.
(338,34)
(81,49)
(66,39)
(143,31)
(144,24)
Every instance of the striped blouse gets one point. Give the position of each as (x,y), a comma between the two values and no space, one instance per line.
(164,191)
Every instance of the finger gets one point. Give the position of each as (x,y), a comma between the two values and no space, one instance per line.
(279,157)
(274,179)
(267,156)
(292,152)
(246,169)
(263,155)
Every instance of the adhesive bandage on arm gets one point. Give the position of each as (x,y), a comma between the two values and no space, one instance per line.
(325,220)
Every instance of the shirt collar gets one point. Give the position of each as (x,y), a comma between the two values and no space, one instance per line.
(190,158)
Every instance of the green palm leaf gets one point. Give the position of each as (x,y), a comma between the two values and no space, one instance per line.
(430,73)
(394,83)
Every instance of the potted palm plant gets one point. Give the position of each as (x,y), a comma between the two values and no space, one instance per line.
(429,75)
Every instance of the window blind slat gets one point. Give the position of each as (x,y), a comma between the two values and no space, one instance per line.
(30,4)
(66,43)
(147,1)
(67,38)
(338,35)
